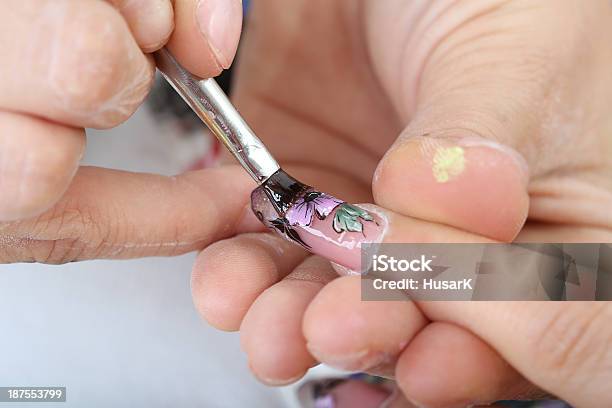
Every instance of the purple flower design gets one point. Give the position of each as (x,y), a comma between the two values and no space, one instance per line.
(313,202)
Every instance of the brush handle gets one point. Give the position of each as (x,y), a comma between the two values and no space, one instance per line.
(213,107)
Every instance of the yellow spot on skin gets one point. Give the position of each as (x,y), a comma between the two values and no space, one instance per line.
(448,163)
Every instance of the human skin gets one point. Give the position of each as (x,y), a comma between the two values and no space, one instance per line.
(358,99)
(461,121)
(71,64)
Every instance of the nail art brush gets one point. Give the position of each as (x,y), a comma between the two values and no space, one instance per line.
(317,221)
(213,107)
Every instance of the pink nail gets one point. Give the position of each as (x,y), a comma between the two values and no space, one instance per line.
(323,224)
(220,21)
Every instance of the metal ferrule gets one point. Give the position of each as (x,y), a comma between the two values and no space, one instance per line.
(211,104)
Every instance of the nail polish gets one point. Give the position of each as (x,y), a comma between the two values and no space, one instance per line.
(346,391)
(317,221)
(324,401)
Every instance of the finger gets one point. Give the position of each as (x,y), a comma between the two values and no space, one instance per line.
(229,275)
(339,232)
(271,333)
(564,347)
(73,62)
(447,366)
(206,34)
(473,131)
(38,159)
(347,333)
(116,214)
(151,21)
(468,185)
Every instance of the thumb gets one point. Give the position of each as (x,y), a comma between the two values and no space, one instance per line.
(466,182)
(473,104)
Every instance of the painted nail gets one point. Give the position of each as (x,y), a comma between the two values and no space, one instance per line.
(354,390)
(323,224)
(325,401)
(220,21)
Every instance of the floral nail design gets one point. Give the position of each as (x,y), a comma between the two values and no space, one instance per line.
(313,202)
(319,222)
(348,218)
(284,228)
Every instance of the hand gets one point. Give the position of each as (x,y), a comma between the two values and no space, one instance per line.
(360,99)
(330,86)
(70,64)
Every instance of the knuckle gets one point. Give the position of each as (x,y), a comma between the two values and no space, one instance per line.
(61,232)
(94,47)
(58,252)
(460,50)
(576,338)
(11,246)
(66,234)
(128,90)
(39,179)
(100,74)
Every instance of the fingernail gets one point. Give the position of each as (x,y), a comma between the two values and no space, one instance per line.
(452,156)
(220,22)
(357,361)
(518,158)
(276,382)
(151,21)
(324,225)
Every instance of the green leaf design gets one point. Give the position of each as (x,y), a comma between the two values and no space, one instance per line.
(348,218)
